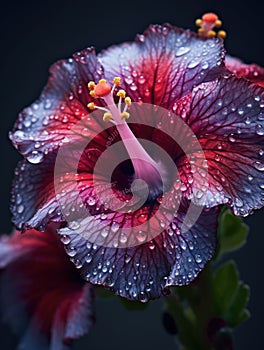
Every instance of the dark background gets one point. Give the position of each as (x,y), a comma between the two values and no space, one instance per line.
(33,35)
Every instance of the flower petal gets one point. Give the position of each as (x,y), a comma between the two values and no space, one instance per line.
(33,201)
(227,117)
(252,72)
(163,64)
(43,298)
(42,126)
(145,271)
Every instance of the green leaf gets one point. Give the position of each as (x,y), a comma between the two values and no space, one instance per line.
(237,311)
(133,305)
(225,283)
(230,295)
(232,233)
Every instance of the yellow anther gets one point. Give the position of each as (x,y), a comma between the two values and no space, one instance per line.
(221,34)
(107,116)
(91,105)
(201,31)
(198,22)
(91,85)
(121,93)
(102,81)
(211,34)
(128,101)
(218,23)
(125,115)
(117,81)
(92,93)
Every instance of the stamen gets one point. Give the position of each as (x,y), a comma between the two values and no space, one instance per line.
(128,101)
(117,81)
(121,93)
(91,105)
(104,91)
(125,115)
(107,116)
(208,22)
(144,166)
(91,85)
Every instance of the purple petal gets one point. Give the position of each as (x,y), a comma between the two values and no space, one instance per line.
(145,271)
(43,297)
(42,126)
(164,64)
(228,118)
(252,72)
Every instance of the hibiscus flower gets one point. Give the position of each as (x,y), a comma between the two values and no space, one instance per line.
(43,298)
(136,165)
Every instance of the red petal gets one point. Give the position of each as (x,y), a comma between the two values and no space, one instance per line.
(145,271)
(42,289)
(228,119)
(33,202)
(252,72)
(163,64)
(42,126)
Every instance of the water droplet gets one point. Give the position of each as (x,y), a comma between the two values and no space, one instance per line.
(143,297)
(183,244)
(35,157)
(133,87)
(123,238)
(205,65)
(182,51)
(18,199)
(198,258)
(193,64)
(20,209)
(47,104)
(127,259)
(239,203)
(65,239)
(71,251)
(128,80)
(141,79)
(104,232)
(231,138)
(259,130)
(141,38)
(114,226)
(259,166)
(88,258)
(142,218)
(217,157)
(74,225)
(141,236)
(250,177)
(91,201)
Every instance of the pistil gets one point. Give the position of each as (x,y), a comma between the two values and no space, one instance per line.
(145,167)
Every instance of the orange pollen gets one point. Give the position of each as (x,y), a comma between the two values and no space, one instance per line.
(102,89)
(210,17)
